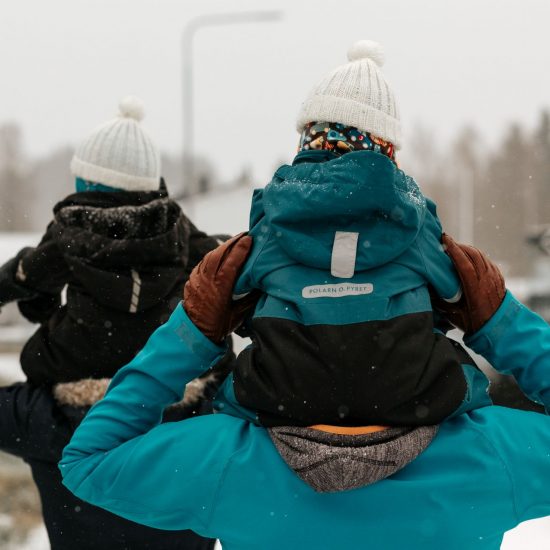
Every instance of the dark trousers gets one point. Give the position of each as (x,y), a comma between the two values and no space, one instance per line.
(35,428)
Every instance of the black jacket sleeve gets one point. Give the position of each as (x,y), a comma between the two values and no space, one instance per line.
(40,308)
(10,289)
(35,274)
(43,268)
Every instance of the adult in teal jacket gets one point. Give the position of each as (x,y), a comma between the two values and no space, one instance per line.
(483,473)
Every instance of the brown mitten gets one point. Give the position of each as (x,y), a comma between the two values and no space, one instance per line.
(483,287)
(208,294)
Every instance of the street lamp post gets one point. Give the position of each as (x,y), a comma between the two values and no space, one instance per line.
(216,19)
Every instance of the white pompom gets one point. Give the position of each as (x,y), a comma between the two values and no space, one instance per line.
(367,49)
(132,107)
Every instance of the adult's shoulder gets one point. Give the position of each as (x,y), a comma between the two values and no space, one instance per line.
(519,441)
(496,423)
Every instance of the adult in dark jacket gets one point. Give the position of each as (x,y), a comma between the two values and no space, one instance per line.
(123,250)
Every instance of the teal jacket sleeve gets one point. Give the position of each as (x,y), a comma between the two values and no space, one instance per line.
(521,441)
(120,458)
(258,230)
(438,267)
(517,341)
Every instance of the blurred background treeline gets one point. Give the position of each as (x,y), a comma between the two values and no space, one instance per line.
(493,197)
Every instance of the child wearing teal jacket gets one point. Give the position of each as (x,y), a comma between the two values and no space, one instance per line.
(350,348)
(484,472)
(346,248)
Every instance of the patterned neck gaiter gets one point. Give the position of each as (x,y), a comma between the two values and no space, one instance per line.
(341,139)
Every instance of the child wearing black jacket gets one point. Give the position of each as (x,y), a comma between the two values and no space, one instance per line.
(123,250)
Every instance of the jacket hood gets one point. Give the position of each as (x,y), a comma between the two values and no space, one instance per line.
(120,244)
(330,462)
(361,192)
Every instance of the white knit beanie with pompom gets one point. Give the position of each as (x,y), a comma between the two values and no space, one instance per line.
(119,153)
(356,94)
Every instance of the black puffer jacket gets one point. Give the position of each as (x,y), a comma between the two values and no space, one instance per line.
(124,257)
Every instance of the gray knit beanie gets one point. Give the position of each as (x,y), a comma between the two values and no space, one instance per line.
(119,153)
(356,94)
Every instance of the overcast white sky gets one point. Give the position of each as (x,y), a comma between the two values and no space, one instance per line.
(65,63)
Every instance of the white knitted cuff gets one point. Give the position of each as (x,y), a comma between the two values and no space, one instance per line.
(98,174)
(323,108)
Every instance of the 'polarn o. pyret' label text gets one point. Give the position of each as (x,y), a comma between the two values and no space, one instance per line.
(337,290)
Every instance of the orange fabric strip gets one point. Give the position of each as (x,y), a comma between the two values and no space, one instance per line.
(348,430)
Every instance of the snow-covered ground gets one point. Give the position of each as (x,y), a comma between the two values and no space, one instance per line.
(10,371)
(531,535)
(38,540)
(12,243)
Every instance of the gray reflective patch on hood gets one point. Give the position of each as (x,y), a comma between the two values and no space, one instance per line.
(136,290)
(331,463)
(361,192)
(344,252)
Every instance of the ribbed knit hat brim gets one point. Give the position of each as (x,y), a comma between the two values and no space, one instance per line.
(106,176)
(349,112)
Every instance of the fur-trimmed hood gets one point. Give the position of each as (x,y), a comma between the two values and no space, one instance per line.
(127,250)
(123,258)
(113,235)
(88,391)
(123,222)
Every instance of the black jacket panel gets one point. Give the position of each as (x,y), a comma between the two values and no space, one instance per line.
(307,384)
(124,257)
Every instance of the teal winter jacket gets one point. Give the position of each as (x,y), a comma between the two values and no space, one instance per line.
(484,473)
(344,251)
